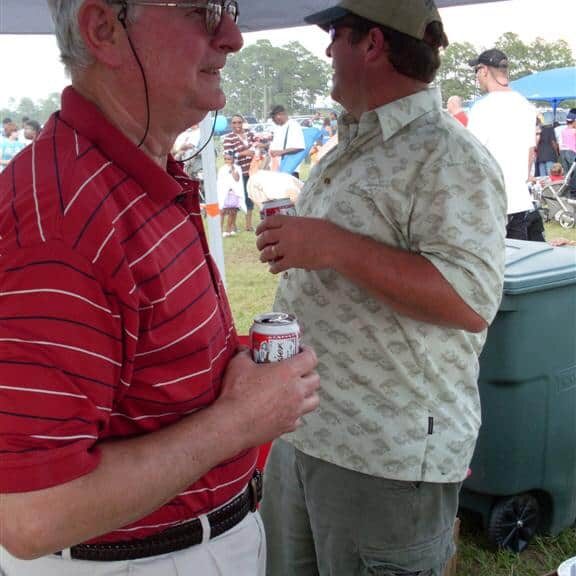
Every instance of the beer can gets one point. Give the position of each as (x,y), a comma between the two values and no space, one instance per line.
(274,336)
(283,206)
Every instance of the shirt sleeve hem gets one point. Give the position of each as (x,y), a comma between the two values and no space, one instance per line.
(42,474)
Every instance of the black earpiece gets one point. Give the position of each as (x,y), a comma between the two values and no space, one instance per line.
(122,14)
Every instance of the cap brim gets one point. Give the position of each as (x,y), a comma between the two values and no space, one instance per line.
(325,17)
(473,62)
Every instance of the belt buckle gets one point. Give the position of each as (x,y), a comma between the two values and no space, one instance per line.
(255,490)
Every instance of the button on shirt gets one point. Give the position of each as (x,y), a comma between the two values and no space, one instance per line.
(399,397)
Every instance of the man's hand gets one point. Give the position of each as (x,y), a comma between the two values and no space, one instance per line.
(259,402)
(296,242)
(267,400)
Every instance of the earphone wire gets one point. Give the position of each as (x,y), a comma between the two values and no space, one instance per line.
(196,152)
(122,17)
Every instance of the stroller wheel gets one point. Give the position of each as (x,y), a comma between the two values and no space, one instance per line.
(566,219)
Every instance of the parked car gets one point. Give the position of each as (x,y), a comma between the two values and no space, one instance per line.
(250,120)
(263,130)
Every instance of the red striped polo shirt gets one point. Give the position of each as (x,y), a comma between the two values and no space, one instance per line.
(113,318)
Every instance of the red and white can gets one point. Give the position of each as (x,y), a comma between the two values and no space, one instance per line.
(274,336)
(282,206)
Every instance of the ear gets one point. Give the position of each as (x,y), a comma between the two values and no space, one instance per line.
(376,45)
(102,32)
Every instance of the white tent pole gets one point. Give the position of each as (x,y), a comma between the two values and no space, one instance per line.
(211,195)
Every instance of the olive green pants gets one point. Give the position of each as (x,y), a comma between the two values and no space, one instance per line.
(324,520)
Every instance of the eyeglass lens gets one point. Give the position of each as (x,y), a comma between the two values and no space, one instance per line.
(214,11)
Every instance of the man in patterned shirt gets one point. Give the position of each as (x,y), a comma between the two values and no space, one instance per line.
(394,268)
(130,421)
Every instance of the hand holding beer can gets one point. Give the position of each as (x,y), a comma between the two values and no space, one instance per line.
(274,336)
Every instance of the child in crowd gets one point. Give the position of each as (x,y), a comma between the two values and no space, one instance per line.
(556,172)
(230,193)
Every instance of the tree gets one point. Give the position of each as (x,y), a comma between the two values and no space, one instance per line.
(261,75)
(534,57)
(456,77)
(39,111)
(47,106)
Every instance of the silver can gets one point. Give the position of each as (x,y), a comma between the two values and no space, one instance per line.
(274,336)
(283,206)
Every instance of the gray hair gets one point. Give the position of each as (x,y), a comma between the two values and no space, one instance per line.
(73,51)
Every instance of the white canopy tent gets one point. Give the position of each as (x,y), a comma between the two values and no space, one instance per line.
(33,17)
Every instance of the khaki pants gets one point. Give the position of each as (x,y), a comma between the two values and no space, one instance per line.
(239,552)
(324,520)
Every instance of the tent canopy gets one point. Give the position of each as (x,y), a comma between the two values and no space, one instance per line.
(32,16)
(548,86)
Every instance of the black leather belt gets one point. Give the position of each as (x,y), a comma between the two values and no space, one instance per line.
(178,537)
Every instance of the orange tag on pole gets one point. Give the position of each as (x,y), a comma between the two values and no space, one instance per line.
(212,210)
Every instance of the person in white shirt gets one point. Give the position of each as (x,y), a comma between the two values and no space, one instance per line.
(504,121)
(288,138)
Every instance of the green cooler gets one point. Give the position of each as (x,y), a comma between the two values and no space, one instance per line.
(523,476)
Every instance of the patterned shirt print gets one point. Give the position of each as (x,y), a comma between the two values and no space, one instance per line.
(399,397)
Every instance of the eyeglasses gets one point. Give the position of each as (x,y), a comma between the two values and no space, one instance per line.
(213,9)
(333,30)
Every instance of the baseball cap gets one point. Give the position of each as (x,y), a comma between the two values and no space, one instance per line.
(410,17)
(493,57)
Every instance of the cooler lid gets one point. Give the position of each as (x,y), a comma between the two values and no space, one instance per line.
(533,266)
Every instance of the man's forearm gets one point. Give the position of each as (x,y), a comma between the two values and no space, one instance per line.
(407,282)
(134,478)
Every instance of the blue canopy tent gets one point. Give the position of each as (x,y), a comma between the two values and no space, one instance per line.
(551,86)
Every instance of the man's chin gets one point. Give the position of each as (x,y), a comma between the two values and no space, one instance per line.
(335,96)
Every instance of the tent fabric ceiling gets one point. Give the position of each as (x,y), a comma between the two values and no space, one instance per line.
(32,16)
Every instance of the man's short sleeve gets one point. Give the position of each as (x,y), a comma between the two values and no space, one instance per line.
(458,223)
(60,362)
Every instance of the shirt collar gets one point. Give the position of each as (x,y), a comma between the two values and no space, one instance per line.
(391,117)
(87,119)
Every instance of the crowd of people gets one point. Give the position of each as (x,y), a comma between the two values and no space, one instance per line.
(291,144)
(132,417)
(511,129)
(14,138)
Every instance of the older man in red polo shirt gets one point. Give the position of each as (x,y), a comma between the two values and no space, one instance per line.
(129,418)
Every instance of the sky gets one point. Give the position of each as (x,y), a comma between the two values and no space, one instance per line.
(35,71)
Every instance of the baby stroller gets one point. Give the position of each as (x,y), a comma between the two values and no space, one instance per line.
(557,201)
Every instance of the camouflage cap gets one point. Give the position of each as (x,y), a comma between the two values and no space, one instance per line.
(410,17)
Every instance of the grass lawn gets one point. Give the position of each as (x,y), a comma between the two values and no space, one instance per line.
(251,290)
